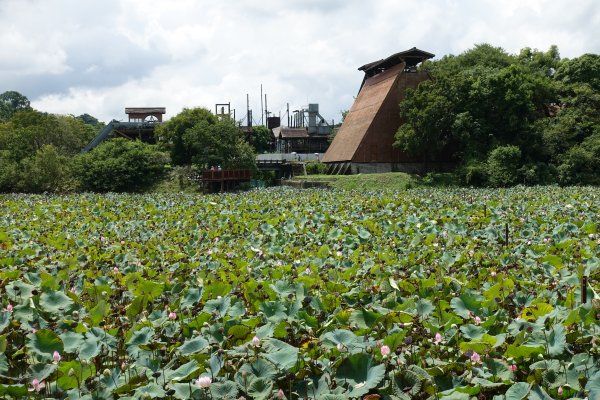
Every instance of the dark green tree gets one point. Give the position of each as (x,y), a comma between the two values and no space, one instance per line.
(196,136)
(220,144)
(12,102)
(171,133)
(261,139)
(120,165)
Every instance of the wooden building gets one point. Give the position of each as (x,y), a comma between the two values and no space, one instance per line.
(365,140)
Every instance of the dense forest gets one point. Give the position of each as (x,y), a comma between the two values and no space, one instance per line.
(501,119)
(504,119)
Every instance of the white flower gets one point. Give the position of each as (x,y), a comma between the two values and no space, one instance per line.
(203,382)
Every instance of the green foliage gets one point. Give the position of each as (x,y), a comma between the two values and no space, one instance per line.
(218,144)
(503,166)
(261,139)
(197,136)
(12,102)
(172,132)
(142,294)
(580,165)
(46,171)
(485,98)
(120,165)
(584,69)
(315,168)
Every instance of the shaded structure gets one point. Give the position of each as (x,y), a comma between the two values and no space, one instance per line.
(140,126)
(224,180)
(365,140)
(308,132)
(145,114)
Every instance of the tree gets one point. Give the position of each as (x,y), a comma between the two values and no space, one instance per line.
(12,102)
(45,171)
(503,165)
(584,69)
(261,139)
(429,117)
(196,136)
(28,131)
(481,100)
(219,144)
(120,165)
(171,133)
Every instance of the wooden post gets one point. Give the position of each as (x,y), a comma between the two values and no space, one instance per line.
(506,234)
(583,289)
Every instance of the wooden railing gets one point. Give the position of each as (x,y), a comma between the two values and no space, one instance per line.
(226,175)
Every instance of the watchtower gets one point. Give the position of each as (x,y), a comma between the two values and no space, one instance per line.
(145,114)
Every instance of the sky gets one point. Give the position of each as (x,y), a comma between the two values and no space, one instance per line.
(98,57)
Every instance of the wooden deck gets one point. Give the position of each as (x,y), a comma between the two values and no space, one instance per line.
(224,180)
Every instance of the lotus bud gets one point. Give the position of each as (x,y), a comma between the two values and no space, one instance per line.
(56,357)
(385,350)
(256,341)
(106,372)
(280,394)
(172,316)
(71,372)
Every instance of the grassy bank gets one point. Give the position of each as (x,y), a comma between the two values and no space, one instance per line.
(388,181)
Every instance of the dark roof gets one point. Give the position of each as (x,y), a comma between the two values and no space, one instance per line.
(290,133)
(145,110)
(411,57)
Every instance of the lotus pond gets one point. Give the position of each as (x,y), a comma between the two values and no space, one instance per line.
(301,294)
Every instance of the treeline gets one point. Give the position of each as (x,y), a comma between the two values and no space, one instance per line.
(504,119)
(41,152)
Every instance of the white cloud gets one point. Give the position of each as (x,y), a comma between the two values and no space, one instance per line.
(72,56)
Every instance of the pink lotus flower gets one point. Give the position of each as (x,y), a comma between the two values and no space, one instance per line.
(280,394)
(475,358)
(115,270)
(437,339)
(560,390)
(477,320)
(36,385)
(9,308)
(385,350)
(203,382)
(513,368)
(172,316)
(56,357)
(256,341)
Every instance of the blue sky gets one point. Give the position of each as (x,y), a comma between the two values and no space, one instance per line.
(98,57)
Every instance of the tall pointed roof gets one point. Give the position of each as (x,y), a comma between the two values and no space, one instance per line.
(367,133)
(411,57)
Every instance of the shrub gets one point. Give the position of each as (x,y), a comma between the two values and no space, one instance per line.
(581,165)
(473,174)
(503,166)
(120,165)
(46,171)
(315,168)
